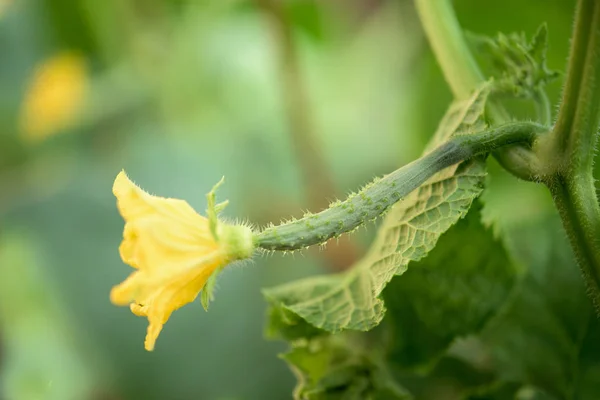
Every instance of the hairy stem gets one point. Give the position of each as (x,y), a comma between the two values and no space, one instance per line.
(374,199)
(572,143)
(579,211)
(580,62)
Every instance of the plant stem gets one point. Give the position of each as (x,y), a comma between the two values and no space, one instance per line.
(572,145)
(375,198)
(463,76)
(578,60)
(580,214)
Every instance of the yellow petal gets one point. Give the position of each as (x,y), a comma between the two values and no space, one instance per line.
(125,292)
(127,249)
(174,295)
(173,250)
(139,309)
(186,287)
(134,203)
(162,236)
(162,248)
(154,329)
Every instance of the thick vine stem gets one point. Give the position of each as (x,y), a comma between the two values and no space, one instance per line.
(378,196)
(569,149)
(579,211)
(572,131)
(463,76)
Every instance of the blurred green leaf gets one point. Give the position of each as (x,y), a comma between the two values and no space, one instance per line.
(411,229)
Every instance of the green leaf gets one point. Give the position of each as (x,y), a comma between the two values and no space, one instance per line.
(338,367)
(547,336)
(518,65)
(451,293)
(351,300)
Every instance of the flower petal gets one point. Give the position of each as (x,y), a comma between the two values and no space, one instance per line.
(184,291)
(127,249)
(139,309)
(173,295)
(154,329)
(173,250)
(162,248)
(134,203)
(125,292)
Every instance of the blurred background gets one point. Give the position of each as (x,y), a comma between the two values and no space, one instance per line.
(296,102)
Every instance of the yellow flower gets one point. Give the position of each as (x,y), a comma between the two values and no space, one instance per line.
(55,96)
(3,6)
(174,251)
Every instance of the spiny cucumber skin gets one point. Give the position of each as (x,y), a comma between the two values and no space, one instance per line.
(378,196)
(359,208)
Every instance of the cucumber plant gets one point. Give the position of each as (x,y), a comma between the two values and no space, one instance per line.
(447,304)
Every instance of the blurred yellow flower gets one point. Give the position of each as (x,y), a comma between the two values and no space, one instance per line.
(174,250)
(54,97)
(3,6)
